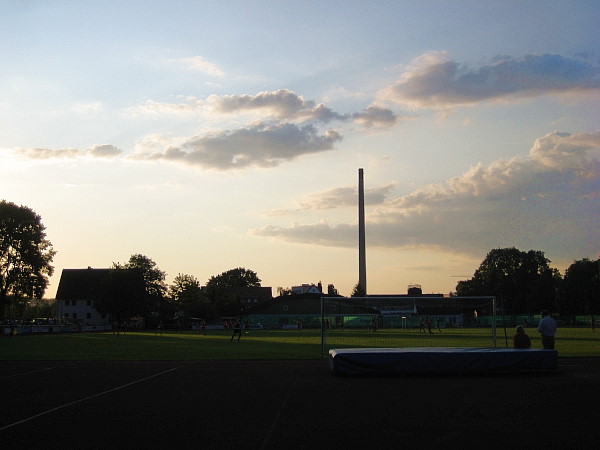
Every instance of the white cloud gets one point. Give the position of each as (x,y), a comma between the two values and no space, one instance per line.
(96,151)
(199,64)
(156,142)
(547,201)
(259,145)
(280,104)
(435,81)
(191,107)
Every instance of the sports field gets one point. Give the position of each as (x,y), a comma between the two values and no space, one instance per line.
(272,391)
(264,344)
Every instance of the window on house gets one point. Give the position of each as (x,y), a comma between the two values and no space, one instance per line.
(89,303)
(66,302)
(66,315)
(89,315)
(73,302)
(74,315)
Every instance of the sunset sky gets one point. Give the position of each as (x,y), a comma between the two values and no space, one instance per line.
(213,135)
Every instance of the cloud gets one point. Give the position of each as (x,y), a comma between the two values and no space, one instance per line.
(104,151)
(199,64)
(322,233)
(342,197)
(547,201)
(191,107)
(281,104)
(435,81)
(96,151)
(376,117)
(259,145)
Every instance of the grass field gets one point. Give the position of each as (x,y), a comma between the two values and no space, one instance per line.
(263,344)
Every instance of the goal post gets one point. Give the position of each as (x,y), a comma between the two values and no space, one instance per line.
(407,321)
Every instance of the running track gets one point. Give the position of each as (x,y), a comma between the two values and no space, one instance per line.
(290,405)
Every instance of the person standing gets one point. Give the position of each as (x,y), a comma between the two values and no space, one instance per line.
(547,328)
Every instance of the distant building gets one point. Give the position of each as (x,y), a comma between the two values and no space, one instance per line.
(250,296)
(75,294)
(307,289)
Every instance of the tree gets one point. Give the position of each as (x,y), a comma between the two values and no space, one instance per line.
(358,291)
(238,277)
(220,290)
(153,276)
(154,280)
(523,281)
(331,290)
(581,288)
(121,293)
(25,254)
(187,296)
(281,291)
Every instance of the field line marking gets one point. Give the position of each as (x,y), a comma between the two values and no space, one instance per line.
(283,404)
(26,373)
(87,398)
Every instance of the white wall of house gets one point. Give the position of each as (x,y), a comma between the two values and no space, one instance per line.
(81,310)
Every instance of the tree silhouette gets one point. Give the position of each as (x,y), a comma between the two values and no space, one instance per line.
(25,254)
(523,281)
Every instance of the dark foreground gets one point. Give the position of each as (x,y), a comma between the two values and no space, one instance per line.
(291,405)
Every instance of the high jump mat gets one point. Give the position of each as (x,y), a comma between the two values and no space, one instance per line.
(423,360)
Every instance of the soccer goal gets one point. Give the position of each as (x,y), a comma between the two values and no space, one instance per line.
(401,322)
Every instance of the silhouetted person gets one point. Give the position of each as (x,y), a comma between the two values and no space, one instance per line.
(429,325)
(237,329)
(520,339)
(547,328)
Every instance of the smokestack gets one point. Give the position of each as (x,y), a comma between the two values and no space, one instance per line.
(362,256)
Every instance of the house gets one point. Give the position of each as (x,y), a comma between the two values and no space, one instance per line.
(307,289)
(78,288)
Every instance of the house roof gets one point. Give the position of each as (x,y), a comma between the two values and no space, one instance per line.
(80,284)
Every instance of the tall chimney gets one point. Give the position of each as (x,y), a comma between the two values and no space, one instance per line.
(362,256)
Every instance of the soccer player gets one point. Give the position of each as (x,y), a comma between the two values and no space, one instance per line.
(237,329)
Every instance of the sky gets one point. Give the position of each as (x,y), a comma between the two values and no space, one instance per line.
(215,135)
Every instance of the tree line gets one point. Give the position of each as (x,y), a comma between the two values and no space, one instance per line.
(523,281)
(26,257)
(123,297)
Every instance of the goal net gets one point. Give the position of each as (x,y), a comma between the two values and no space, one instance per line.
(401,321)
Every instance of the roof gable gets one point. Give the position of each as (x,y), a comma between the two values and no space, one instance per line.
(81,284)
